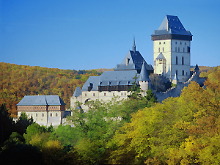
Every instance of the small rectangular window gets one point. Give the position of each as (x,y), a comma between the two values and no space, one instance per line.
(85,94)
(176,72)
(50,114)
(159,50)
(183,72)
(163,49)
(159,43)
(36,114)
(42,114)
(113,94)
(164,43)
(93,94)
(176,60)
(175,49)
(182,60)
(188,49)
(56,114)
(178,49)
(104,94)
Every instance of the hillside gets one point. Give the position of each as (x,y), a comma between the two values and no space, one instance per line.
(16,81)
(203,69)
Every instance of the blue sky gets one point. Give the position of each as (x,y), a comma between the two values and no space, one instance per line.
(92,34)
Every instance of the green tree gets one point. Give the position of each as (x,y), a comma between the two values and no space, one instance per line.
(32,130)
(22,123)
(6,124)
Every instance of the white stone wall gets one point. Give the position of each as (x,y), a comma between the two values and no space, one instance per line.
(172,49)
(96,95)
(42,117)
(160,67)
(163,46)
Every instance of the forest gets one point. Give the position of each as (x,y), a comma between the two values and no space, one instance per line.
(16,81)
(139,130)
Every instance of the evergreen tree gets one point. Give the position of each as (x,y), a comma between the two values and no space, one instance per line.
(6,124)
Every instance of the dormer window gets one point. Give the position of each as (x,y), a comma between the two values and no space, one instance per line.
(127,61)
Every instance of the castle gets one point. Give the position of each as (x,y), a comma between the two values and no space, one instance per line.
(171,52)
(117,82)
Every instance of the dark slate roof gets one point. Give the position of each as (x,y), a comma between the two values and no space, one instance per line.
(174,27)
(196,68)
(160,56)
(135,62)
(94,80)
(110,78)
(113,78)
(143,75)
(41,100)
(77,92)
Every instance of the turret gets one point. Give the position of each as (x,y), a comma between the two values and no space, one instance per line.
(144,79)
(175,80)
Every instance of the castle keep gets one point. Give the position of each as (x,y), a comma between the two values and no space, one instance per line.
(171,49)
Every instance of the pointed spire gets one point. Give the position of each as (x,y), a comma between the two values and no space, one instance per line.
(134,46)
(175,77)
(196,68)
(144,75)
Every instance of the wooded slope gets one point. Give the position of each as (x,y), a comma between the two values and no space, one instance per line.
(16,81)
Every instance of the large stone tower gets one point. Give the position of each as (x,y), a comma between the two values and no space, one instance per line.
(171,49)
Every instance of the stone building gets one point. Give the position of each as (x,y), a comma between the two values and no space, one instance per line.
(117,82)
(171,54)
(171,49)
(44,109)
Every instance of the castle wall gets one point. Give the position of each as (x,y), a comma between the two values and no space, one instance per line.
(175,92)
(96,95)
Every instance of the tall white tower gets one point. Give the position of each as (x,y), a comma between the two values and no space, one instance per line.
(171,49)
